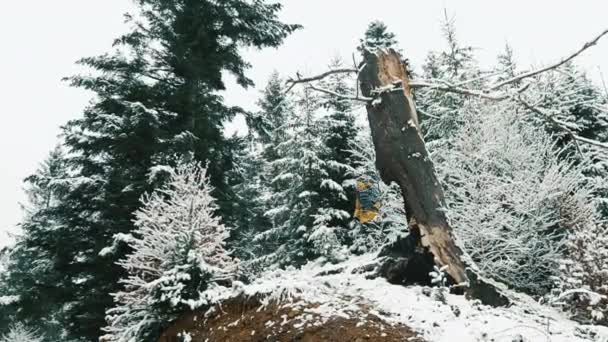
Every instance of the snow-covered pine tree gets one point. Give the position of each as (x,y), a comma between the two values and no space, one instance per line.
(511,200)
(377,36)
(249,192)
(20,333)
(254,170)
(28,267)
(178,255)
(156,95)
(439,110)
(336,195)
(45,188)
(275,107)
(581,286)
(296,177)
(276,111)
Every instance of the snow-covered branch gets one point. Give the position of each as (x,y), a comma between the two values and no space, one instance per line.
(591,141)
(443,86)
(563,126)
(593,295)
(21,333)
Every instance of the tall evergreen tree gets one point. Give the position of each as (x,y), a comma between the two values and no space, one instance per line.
(28,277)
(249,193)
(296,175)
(338,133)
(254,167)
(157,96)
(275,107)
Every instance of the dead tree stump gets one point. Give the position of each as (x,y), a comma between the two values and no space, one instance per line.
(402,157)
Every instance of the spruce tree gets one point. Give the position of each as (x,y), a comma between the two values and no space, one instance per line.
(30,264)
(338,133)
(440,110)
(510,197)
(156,101)
(295,177)
(275,106)
(254,168)
(249,191)
(308,172)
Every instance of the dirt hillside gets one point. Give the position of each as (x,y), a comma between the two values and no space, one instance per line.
(241,320)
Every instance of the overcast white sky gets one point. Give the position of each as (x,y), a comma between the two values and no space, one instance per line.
(40,40)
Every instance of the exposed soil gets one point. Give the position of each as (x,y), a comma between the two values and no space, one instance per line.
(247,321)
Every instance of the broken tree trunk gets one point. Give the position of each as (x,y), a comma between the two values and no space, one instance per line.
(402,157)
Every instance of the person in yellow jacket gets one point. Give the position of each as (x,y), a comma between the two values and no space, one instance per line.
(366,205)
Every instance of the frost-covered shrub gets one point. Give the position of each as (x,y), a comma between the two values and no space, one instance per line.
(20,333)
(510,199)
(582,283)
(178,254)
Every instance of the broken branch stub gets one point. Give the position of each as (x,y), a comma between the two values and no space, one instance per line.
(402,157)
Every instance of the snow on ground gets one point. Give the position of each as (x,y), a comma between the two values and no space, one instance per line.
(437,316)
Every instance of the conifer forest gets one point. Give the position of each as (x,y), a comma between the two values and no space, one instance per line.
(376,198)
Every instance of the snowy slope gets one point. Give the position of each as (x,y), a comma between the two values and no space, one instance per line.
(343,290)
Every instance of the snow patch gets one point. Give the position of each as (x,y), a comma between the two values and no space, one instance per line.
(342,291)
(8,300)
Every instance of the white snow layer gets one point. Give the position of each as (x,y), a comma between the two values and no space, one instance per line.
(343,291)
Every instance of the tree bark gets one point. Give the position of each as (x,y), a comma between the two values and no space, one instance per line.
(402,157)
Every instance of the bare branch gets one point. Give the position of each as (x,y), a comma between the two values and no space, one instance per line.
(321,76)
(553,66)
(342,96)
(293,82)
